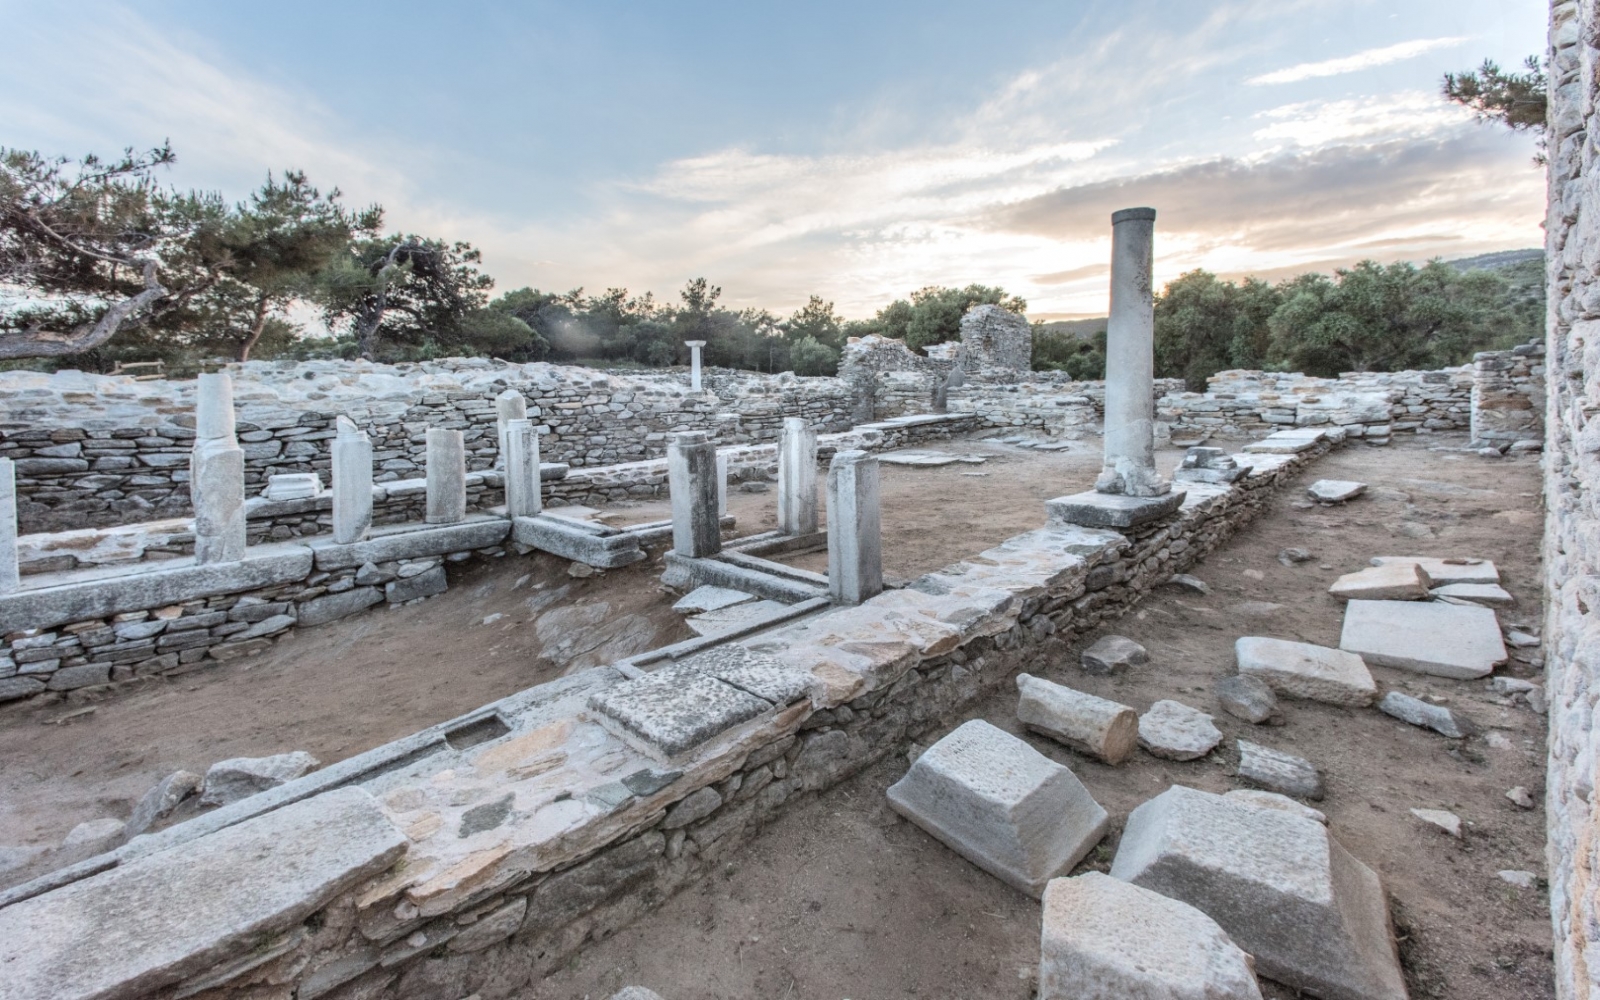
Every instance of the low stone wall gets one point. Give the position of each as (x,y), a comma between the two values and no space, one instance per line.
(1371,405)
(1508,397)
(476,856)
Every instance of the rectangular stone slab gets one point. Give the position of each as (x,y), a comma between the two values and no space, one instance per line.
(1391,582)
(1301,670)
(676,708)
(1446,640)
(412,541)
(570,539)
(1442,571)
(1111,510)
(166,917)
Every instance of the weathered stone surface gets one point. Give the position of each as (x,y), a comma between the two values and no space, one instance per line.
(1175,731)
(1419,713)
(231,780)
(95,835)
(1262,799)
(1283,889)
(1490,595)
(1193,584)
(1088,724)
(703,599)
(1111,654)
(1335,490)
(1446,571)
(1394,582)
(1247,698)
(855,542)
(1106,939)
(635,993)
(766,677)
(1107,510)
(72,678)
(155,921)
(590,544)
(331,607)
(693,809)
(1301,670)
(12,688)
(1447,640)
(412,541)
(159,802)
(738,618)
(491,929)
(1279,772)
(1443,819)
(676,708)
(1002,805)
(425,584)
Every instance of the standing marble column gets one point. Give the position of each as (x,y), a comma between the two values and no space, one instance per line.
(797,477)
(10,578)
(692,480)
(352,483)
(447,476)
(1130,460)
(722,485)
(694,363)
(522,469)
(216,474)
(508,406)
(855,543)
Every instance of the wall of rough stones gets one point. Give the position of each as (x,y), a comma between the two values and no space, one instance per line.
(1508,397)
(1572,521)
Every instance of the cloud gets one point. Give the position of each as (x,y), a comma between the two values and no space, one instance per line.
(1411,113)
(1366,59)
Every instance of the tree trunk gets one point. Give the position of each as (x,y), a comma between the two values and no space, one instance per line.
(255,329)
(37,342)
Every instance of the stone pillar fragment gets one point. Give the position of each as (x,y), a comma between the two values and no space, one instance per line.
(508,406)
(722,484)
(447,476)
(692,481)
(694,363)
(216,474)
(10,580)
(1130,465)
(522,469)
(797,477)
(855,544)
(352,483)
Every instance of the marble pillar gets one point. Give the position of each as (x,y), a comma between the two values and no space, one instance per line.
(694,363)
(1130,462)
(692,480)
(797,477)
(447,476)
(508,406)
(10,579)
(522,469)
(352,482)
(216,474)
(722,484)
(855,544)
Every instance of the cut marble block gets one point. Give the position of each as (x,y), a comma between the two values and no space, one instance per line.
(1391,582)
(1110,510)
(1313,916)
(1301,670)
(1002,805)
(1106,939)
(1443,571)
(1088,724)
(1446,640)
(1490,595)
(703,599)
(1278,771)
(676,708)
(733,619)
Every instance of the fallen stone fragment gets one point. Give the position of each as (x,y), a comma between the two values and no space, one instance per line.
(95,834)
(1175,731)
(1293,556)
(1446,640)
(1419,713)
(1002,805)
(1112,654)
(1490,595)
(240,777)
(1279,885)
(1520,879)
(635,993)
(1088,724)
(1262,799)
(1396,582)
(1193,584)
(14,857)
(1247,698)
(1301,670)
(1510,685)
(1536,700)
(1335,490)
(1449,822)
(580,570)
(734,618)
(1520,640)
(1106,939)
(703,599)
(1279,772)
(1447,571)
(159,802)
(1521,797)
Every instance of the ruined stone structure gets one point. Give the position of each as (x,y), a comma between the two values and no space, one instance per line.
(992,337)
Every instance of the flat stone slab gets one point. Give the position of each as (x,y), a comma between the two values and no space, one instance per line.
(764,676)
(1278,884)
(676,708)
(1335,490)
(1002,805)
(1443,571)
(1106,939)
(1446,640)
(1111,510)
(1285,443)
(1175,731)
(1112,654)
(159,919)
(581,541)
(703,599)
(740,616)
(411,541)
(1490,595)
(240,777)
(1301,670)
(926,459)
(1392,582)
(1420,713)
(1280,772)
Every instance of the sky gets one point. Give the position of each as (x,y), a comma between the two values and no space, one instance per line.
(856,151)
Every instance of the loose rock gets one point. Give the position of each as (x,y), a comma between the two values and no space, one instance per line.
(1490,595)
(1335,490)
(1293,556)
(159,802)
(1521,797)
(1112,654)
(1419,713)
(1449,822)
(1279,772)
(95,835)
(1301,670)
(231,780)
(1247,698)
(1520,879)
(1395,582)
(1175,731)
(1193,584)
(1088,724)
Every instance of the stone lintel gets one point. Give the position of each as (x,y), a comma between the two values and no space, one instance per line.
(579,542)
(411,541)
(719,571)
(1111,510)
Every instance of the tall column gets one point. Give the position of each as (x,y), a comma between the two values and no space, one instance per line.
(508,406)
(352,482)
(855,543)
(216,474)
(522,469)
(797,477)
(10,580)
(694,363)
(447,476)
(692,480)
(1130,461)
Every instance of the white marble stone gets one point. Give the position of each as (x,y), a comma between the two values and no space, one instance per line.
(1391,582)
(1129,465)
(1429,637)
(447,476)
(1301,670)
(521,443)
(797,477)
(855,543)
(692,482)
(352,482)
(1446,571)
(10,579)
(216,475)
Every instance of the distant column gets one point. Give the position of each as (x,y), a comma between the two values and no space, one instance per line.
(10,579)
(692,480)
(352,483)
(722,484)
(216,474)
(447,476)
(522,469)
(508,406)
(694,363)
(1130,461)
(797,477)
(855,544)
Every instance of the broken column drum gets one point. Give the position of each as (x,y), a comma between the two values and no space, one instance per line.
(521,445)
(10,580)
(447,476)
(692,481)
(797,477)
(508,406)
(1130,463)
(855,544)
(216,474)
(694,362)
(352,483)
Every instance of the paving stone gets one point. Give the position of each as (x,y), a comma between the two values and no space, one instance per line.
(1393,582)
(1447,571)
(1490,595)
(1107,510)
(159,802)
(1002,805)
(1446,640)
(1084,722)
(764,676)
(239,777)
(1112,654)
(1175,731)
(676,708)
(1247,698)
(1301,670)
(1335,490)
(1447,821)
(1420,713)
(1280,886)
(1263,799)
(735,618)
(1279,772)
(1106,939)
(708,598)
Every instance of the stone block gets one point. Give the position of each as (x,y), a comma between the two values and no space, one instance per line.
(1301,670)
(739,618)
(676,708)
(1106,939)
(1392,582)
(411,541)
(1283,889)
(1247,698)
(240,777)
(1335,490)
(1490,595)
(703,599)
(1446,640)
(425,584)
(1445,571)
(1111,510)
(766,677)
(72,678)
(12,688)
(1279,772)
(1002,805)
(1419,713)
(1112,654)
(159,802)
(1174,731)
(1088,724)
(593,545)
(331,607)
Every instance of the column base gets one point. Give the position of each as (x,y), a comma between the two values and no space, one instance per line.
(1111,510)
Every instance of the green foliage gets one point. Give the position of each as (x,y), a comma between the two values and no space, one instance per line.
(405,292)
(1082,358)
(810,356)
(1203,326)
(1516,100)
(933,315)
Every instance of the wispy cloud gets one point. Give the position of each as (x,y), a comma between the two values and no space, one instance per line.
(1412,113)
(1361,60)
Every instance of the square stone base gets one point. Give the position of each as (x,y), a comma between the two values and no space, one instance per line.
(1111,510)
